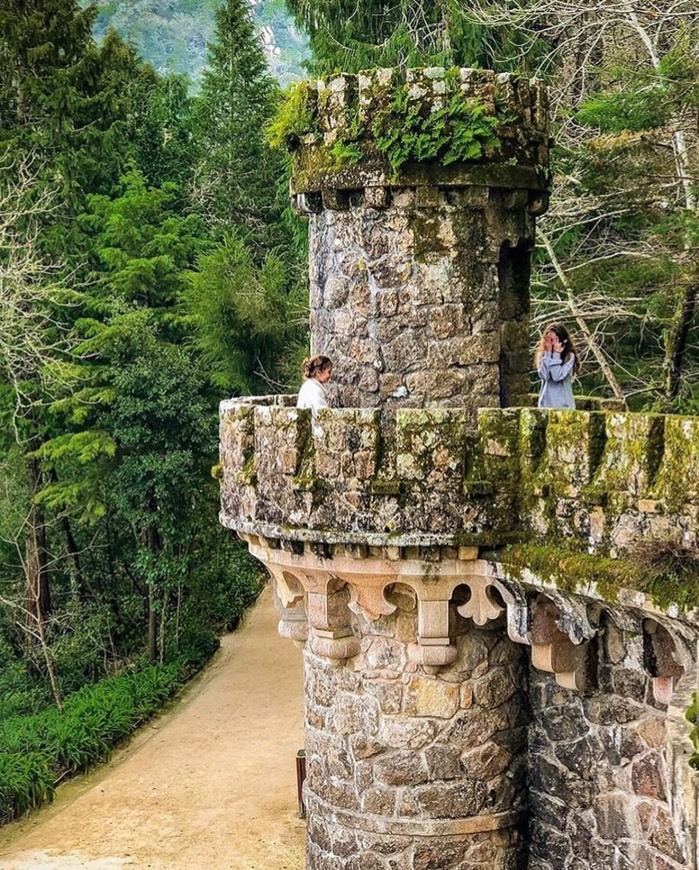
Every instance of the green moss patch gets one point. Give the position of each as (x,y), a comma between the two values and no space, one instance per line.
(401,131)
(667,580)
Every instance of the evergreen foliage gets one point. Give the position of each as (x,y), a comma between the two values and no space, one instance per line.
(173,34)
(110,372)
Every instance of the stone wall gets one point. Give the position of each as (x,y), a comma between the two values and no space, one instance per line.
(600,479)
(602,789)
(418,304)
(412,769)
(420,277)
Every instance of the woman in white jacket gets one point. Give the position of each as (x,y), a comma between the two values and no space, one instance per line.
(317,371)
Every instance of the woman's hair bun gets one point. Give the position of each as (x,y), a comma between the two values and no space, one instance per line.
(314,364)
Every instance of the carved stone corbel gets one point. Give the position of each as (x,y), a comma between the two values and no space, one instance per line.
(554,652)
(293,623)
(661,660)
(306,577)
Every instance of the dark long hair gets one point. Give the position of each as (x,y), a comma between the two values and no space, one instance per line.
(563,336)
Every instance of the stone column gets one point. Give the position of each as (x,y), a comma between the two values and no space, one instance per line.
(416,713)
(420,278)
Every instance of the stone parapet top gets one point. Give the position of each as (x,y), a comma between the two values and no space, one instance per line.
(599,480)
(340,105)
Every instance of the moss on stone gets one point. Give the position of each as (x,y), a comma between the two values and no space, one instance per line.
(428,245)
(678,475)
(573,570)
(247,476)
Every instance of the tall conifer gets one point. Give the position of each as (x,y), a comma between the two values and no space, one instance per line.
(238,174)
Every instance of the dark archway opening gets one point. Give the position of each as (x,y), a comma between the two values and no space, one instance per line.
(514,270)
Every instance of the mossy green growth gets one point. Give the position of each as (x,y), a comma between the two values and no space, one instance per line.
(296,117)
(573,570)
(692,716)
(461,130)
(401,131)
(247,476)
(569,570)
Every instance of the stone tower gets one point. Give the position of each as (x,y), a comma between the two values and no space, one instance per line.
(457,703)
(420,279)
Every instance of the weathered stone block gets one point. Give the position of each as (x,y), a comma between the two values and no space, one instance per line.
(401,768)
(425,696)
(451,800)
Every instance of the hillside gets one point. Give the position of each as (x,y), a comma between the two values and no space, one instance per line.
(173,34)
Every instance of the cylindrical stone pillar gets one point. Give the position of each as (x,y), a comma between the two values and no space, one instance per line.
(409,769)
(420,277)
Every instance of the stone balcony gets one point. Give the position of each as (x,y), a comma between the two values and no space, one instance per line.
(597,482)
(524,501)
(403,547)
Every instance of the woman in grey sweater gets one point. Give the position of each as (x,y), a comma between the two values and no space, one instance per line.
(557,363)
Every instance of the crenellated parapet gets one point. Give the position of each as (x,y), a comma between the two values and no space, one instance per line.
(595,482)
(342,146)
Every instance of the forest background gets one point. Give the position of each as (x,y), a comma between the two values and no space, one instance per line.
(150,265)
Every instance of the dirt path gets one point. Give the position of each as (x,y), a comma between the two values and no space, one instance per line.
(211,784)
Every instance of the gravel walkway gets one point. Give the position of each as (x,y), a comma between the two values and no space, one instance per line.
(211,784)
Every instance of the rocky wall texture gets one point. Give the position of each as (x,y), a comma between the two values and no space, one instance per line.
(600,479)
(424,303)
(603,789)
(419,273)
(413,770)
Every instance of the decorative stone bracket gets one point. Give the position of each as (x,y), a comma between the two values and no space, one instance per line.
(334,587)
(320,587)
(553,650)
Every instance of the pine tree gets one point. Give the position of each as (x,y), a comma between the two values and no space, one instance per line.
(351,35)
(237,179)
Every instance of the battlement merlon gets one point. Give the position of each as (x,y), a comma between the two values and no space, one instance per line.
(590,485)
(345,106)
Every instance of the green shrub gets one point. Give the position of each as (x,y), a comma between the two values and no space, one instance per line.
(25,783)
(194,647)
(36,751)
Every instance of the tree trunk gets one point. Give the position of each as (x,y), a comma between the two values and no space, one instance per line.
(72,550)
(36,553)
(152,626)
(153,544)
(580,320)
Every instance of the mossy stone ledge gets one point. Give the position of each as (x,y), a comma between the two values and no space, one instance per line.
(428,127)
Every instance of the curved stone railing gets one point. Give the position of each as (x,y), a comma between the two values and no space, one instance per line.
(600,479)
(436,642)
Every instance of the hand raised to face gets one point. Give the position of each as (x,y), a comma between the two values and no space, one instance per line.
(558,345)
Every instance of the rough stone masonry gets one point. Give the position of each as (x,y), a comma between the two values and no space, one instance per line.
(468,704)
